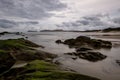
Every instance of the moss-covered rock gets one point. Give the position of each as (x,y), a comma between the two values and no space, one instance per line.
(23,49)
(41,70)
(16,44)
(12,50)
(6,61)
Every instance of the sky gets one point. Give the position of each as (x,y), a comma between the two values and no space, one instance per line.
(23,15)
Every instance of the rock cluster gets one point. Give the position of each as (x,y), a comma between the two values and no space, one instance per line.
(87,54)
(85,47)
(86,41)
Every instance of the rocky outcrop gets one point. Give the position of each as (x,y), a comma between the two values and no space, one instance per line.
(87,54)
(41,70)
(86,41)
(85,48)
(12,50)
(33,55)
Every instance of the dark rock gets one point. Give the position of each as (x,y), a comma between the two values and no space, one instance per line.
(106,44)
(118,62)
(40,55)
(72,53)
(6,61)
(69,41)
(92,56)
(83,39)
(26,37)
(88,55)
(86,41)
(58,41)
(17,33)
(83,49)
(95,43)
(74,58)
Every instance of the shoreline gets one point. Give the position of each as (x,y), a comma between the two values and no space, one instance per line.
(38,63)
(91,34)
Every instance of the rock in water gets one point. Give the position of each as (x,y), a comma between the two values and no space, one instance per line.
(118,62)
(83,39)
(86,41)
(58,41)
(92,56)
(69,41)
(83,49)
(88,55)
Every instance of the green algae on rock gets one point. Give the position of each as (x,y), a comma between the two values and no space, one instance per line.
(23,49)
(6,61)
(41,70)
(13,50)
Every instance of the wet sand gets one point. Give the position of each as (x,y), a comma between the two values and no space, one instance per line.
(115,35)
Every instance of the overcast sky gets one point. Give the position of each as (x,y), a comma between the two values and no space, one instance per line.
(21,15)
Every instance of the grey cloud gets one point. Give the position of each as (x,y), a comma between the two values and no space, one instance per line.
(93,22)
(4,23)
(32,9)
(92,18)
(75,24)
(83,22)
(117,20)
(29,22)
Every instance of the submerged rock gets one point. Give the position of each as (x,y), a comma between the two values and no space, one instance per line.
(88,55)
(92,56)
(83,49)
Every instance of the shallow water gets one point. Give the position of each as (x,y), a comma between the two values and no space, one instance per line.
(106,69)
